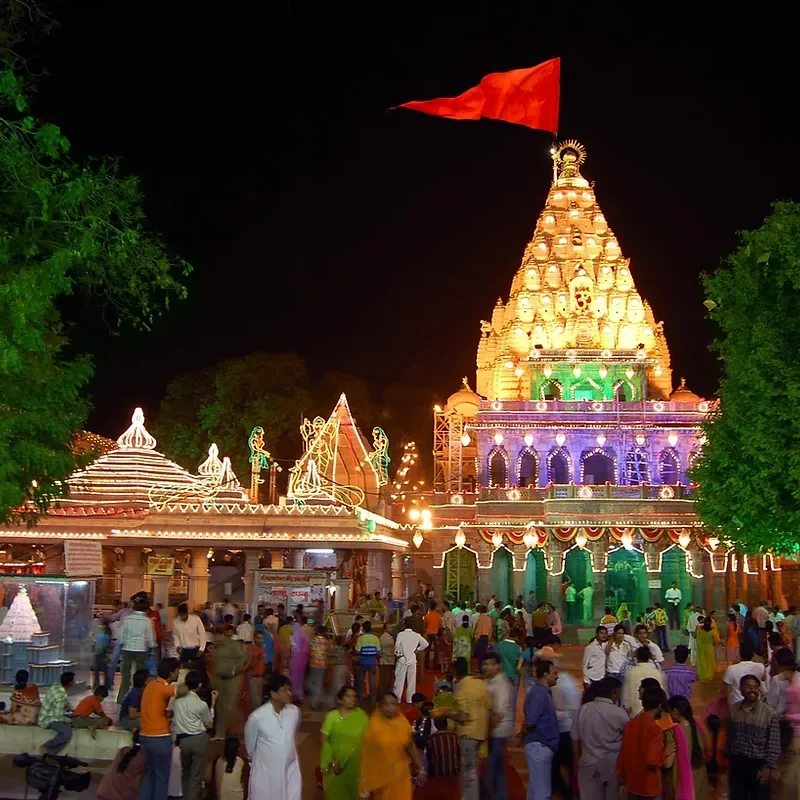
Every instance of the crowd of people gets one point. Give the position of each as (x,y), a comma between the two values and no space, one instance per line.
(212,697)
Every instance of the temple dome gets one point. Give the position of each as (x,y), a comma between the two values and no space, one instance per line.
(464,401)
(683,394)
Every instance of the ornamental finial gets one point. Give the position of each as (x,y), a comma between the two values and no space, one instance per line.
(137,437)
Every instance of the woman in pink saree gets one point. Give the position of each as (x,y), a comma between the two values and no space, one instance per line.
(299,659)
(689,776)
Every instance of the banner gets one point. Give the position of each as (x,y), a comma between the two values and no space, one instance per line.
(83,559)
(160,565)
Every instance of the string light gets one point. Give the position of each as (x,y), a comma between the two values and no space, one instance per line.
(465,440)
(528,440)
(498,438)
(601,439)
(497,539)
(560,439)
(602,372)
(418,539)
(673,439)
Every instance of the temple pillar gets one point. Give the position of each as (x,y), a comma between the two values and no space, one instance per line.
(518,577)
(276,559)
(730,583)
(708,583)
(341,598)
(741,580)
(132,573)
(250,578)
(553,585)
(764,588)
(298,557)
(198,578)
(160,590)
(54,560)
(396,569)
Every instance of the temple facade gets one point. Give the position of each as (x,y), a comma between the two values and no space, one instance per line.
(133,519)
(569,460)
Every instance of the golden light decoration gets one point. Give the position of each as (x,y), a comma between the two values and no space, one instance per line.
(509,365)
(576,371)
(601,439)
(519,372)
(498,438)
(713,542)
(585,492)
(627,541)
(684,540)
(672,439)
(581,540)
(413,515)
(560,439)
(497,539)
(629,373)
(457,500)
(641,355)
(657,371)
(418,539)
(640,439)
(530,540)
(528,439)
(547,371)
(666,493)
(603,372)
(460,539)
(513,494)
(465,440)
(606,353)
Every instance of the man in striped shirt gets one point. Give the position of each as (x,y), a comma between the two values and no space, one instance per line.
(368,648)
(444,754)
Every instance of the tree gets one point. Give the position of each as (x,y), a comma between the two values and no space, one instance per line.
(749,469)
(65,228)
(224,403)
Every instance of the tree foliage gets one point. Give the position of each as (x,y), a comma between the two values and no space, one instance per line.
(749,469)
(65,228)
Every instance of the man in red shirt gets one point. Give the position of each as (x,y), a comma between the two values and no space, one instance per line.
(643,752)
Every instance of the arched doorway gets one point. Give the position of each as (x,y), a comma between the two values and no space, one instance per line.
(637,467)
(673,568)
(460,569)
(527,468)
(551,390)
(669,467)
(578,570)
(535,575)
(498,467)
(626,582)
(500,575)
(559,467)
(598,467)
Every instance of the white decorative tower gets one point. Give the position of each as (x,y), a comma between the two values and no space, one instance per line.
(21,622)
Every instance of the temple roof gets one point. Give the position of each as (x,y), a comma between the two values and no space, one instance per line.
(134,473)
(574,289)
(339,465)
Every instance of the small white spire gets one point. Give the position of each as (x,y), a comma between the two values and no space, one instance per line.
(227,477)
(137,436)
(212,465)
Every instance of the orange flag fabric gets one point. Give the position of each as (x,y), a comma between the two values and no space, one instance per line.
(522,96)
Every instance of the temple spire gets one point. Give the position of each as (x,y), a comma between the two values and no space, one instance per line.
(137,436)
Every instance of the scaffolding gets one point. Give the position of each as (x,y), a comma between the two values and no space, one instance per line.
(448,451)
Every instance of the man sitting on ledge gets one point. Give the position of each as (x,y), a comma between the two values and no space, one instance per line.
(53,714)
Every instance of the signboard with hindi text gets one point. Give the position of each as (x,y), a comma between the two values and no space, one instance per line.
(83,559)
(160,565)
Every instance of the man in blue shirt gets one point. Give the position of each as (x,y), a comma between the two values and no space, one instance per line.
(541,731)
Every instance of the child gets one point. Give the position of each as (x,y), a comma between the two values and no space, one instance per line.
(414,713)
(131,707)
(446,681)
(423,726)
(89,712)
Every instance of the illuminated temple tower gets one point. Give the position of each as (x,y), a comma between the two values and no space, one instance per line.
(570,458)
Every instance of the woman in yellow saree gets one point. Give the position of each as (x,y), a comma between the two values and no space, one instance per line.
(386,752)
(706,659)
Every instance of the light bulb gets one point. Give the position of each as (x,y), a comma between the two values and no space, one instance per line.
(601,440)
(529,540)
(528,440)
(629,373)
(640,440)
(519,372)
(547,371)
(457,500)
(426,514)
(627,541)
(413,515)
(713,542)
(684,540)
(560,439)
(497,539)
(602,372)
(576,371)
(498,439)
(581,540)
(465,440)
(673,439)
(460,539)
(418,539)
(509,365)
(657,370)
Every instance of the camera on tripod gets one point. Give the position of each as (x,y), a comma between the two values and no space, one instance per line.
(49,774)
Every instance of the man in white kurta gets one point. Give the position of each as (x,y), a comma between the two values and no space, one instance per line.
(269,737)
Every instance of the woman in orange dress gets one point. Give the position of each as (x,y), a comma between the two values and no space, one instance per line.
(387,749)
(732,639)
(25,703)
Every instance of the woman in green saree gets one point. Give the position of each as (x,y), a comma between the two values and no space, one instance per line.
(342,733)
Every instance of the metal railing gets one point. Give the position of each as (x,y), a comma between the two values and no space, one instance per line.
(572,492)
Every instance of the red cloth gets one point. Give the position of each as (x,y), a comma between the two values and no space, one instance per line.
(522,96)
(641,756)
(156,618)
(89,705)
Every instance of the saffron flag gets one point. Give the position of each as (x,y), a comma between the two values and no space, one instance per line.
(522,96)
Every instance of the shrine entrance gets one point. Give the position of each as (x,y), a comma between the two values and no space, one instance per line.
(673,568)
(501,573)
(460,569)
(626,583)
(535,576)
(578,569)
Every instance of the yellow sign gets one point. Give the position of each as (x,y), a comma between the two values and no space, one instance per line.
(160,565)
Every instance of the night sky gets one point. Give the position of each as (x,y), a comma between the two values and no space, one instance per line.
(374,242)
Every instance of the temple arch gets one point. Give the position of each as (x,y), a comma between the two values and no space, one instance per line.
(527,467)
(598,466)
(498,467)
(535,575)
(637,467)
(624,391)
(559,466)
(551,390)
(586,389)
(669,466)
(460,571)
(501,573)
